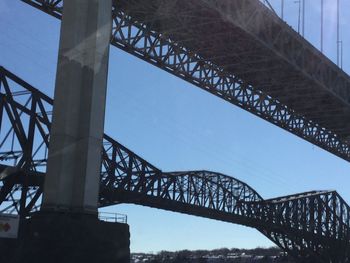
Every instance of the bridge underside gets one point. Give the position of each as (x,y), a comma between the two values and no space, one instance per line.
(243,53)
(249,41)
(312,227)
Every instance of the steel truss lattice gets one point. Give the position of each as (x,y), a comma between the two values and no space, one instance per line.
(312,227)
(140,38)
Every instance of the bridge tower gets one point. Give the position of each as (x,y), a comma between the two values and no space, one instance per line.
(67,229)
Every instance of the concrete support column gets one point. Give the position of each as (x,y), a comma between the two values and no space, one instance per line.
(72,180)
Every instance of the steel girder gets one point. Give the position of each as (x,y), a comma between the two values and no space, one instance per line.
(25,121)
(310,113)
(313,227)
(314,222)
(23,144)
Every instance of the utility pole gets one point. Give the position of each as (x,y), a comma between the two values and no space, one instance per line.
(299,13)
(303,19)
(338,33)
(322,21)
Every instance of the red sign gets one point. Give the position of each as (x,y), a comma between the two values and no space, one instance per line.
(8,226)
(4,227)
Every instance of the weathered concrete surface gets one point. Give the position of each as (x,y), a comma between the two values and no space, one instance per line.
(72,181)
(58,238)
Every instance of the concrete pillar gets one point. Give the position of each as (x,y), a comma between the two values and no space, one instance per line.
(72,180)
(67,228)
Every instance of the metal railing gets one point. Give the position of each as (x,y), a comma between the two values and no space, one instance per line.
(113,217)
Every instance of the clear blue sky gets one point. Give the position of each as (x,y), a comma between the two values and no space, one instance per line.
(176,126)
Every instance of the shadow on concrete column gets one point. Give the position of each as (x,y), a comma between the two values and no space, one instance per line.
(67,229)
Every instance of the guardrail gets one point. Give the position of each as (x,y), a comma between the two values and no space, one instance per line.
(113,217)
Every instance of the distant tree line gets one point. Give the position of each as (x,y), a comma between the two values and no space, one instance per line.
(223,255)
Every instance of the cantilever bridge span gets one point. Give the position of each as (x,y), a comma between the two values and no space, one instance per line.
(242,52)
(312,227)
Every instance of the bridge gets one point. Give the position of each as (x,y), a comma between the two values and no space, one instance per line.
(243,53)
(312,226)
(239,51)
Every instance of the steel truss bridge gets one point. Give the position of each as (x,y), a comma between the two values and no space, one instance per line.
(242,52)
(312,226)
(237,50)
